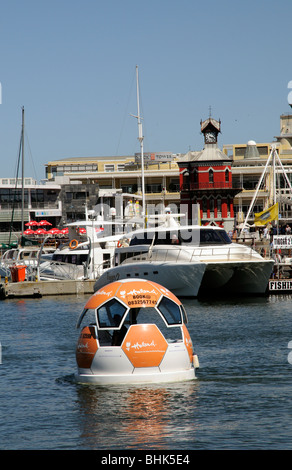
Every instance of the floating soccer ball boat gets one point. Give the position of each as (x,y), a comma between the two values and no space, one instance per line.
(136,334)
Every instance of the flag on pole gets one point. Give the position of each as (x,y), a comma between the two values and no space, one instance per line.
(264,217)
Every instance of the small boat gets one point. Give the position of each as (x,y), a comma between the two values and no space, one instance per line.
(24,256)
(85,254)
(136,333)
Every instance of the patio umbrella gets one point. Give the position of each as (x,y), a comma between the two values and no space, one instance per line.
(44,223)
(28,231)
(32,223)
(64,230)
(40,231)
(54,231)
(82,230)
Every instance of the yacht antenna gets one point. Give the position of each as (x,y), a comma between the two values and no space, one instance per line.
(140,138)
(22,176)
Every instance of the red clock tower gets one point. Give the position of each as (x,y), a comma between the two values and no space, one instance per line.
(206,179)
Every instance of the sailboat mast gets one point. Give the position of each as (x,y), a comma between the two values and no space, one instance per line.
(141,138)
(22,174)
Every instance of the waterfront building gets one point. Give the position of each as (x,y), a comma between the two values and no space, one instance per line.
(108,176)
(41,201)
(223,183)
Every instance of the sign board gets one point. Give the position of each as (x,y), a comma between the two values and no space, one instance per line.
(155,157)
(280,285)
(282,241)
(48,213)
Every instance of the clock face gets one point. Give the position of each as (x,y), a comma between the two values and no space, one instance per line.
(210,137)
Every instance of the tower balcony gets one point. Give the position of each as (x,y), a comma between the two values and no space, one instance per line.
(211,186)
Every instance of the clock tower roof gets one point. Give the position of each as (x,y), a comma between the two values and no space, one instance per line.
(210,128)
(211,125)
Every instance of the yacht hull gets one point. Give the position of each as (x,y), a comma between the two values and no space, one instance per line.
(183,279)
(236,277)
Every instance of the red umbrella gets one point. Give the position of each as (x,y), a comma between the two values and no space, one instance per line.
(40,231)
(82,230)
(28,231)
(54,231)
(43,223)
(32,223)
(65,230)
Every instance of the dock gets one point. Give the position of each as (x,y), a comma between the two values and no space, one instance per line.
(23,289)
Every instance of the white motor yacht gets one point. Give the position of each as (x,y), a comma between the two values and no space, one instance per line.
(190,260)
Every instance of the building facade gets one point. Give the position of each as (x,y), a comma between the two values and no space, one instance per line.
(206,179)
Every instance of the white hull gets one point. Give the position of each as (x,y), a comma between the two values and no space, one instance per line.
(137,378)
(182,279)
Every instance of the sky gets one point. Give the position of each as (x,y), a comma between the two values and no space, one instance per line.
(71,64)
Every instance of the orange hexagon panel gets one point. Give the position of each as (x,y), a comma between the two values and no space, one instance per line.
(188,342)
(86,347)
(144,345)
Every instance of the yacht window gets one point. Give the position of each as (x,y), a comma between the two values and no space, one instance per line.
(142,238)
(209,237)
(170,311)
(189,237)
(224,236)
(214,237)
(110,314)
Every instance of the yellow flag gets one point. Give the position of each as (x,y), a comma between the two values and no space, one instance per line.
(263,218)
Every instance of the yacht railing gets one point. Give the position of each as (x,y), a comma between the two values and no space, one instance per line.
(58,270)
(186,255)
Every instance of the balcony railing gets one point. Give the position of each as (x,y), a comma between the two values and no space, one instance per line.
(207,185)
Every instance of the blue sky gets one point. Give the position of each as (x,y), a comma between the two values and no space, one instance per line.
(71,64)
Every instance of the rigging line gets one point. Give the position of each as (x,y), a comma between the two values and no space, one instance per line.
(30,153)
(15,188)
(126,113)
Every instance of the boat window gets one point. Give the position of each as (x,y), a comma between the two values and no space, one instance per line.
(189,236)
(142,238)
(150,315)
(170,311)
(110,314)
(90,316)
(209,237)
(78,259)
(224,236)
(204,237)
(184,314)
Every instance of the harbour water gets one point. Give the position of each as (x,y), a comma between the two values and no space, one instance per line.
(240,400)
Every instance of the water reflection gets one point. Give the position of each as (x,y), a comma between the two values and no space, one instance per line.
(137,417)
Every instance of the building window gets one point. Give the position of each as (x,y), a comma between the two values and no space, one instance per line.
(204,204)
(109,168)
(211,176)
(226,176)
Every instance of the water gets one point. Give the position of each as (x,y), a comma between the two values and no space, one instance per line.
(240,400)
